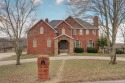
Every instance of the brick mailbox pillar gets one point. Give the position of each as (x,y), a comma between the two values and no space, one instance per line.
(43,67)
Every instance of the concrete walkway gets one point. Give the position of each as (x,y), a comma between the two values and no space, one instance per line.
(5,55)
(61,58)
(114,81)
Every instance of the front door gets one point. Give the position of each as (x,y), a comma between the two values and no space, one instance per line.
(63,46)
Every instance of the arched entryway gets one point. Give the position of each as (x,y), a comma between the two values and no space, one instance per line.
(63,43)
(63,46)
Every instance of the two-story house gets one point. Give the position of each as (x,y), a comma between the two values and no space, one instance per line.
(59,36)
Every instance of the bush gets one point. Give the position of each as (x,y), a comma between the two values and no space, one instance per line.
(119,51)
(79,50)
(92,50)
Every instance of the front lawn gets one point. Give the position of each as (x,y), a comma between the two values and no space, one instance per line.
(72,71)
(97,54)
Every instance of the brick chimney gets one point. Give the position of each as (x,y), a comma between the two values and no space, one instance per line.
(95,21)
(46,20)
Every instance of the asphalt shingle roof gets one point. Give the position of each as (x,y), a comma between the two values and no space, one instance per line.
(85,24)
(54,23)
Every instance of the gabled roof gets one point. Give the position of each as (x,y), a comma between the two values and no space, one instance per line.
(62,35)
(45,23)
(85,24)
(54,23)
(62,22)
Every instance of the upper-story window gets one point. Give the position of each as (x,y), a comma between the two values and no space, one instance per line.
(94,32)
(41,30)
(78,43)
(48,42)
(74,31)
(90,43)
(63,31)
(34,42)
(80,32)
(87,32)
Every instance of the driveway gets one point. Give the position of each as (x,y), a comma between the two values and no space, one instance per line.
(61,58)
(5,55)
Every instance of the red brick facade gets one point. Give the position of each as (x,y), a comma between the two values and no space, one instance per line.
(51,33)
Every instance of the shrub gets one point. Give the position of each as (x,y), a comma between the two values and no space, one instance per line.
(119,51)
(92,50)
(79,50)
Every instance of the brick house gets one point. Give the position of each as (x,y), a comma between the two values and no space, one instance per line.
(58,36)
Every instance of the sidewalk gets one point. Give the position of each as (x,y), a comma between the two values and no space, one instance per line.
(61,58)
(5,55)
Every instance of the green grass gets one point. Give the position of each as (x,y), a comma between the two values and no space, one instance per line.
(92,70)
(72,72)
(97,54)
(26,73)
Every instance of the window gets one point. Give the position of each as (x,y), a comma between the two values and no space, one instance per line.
(80,32)
(34,42)
(78,43)
(87,32)
(90,43)
(48,43)
(63,31)
(94,32)
(41,30)
(74,31)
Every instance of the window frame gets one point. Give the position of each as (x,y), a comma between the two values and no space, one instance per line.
(78,42)
(49,43)
(34,43)
(81,32)
(74,31)
(63,31)
(41,30)
(94,32)
(87,32)
(90,44)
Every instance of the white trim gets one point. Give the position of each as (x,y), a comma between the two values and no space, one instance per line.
(45,23)
(62,35)
(51,27)
(76,21)
(61,22)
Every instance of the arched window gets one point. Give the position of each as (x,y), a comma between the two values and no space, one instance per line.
(90,43)
(34,42)
(48,42)
(78,43)
(41,30)
(63,31)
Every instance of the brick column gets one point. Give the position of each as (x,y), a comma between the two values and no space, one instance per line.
(71,48)
(56,47)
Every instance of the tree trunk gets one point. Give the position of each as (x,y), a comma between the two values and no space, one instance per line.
(18,59)
(113,56)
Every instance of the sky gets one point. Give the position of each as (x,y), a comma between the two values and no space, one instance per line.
(52,9)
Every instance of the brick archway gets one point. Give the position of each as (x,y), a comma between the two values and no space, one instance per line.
(60,38)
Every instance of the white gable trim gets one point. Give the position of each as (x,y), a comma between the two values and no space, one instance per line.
(45,23)
(65,22)
(75,20)
(50,27)
(62,35)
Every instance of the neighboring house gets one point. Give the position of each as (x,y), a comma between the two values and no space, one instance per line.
(117,46)
(59,36)
(6,45)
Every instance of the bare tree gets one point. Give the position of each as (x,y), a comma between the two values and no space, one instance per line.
(112,14)
(16,16)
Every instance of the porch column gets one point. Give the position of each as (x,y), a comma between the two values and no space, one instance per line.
(56,47)
(71,48)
